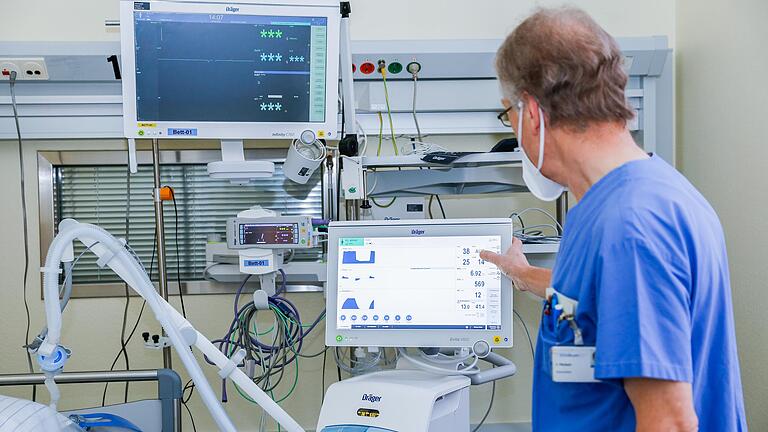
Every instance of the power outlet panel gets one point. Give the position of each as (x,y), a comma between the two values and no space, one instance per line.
(26,68)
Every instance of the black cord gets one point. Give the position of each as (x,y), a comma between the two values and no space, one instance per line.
(191,417)
(12,83)
(190,385)
(338,188)
(178,259)
(135,325)
(522,224)
(488,411)
(127,289)
(322,386)
(429,206)
(440,203)
(525,327)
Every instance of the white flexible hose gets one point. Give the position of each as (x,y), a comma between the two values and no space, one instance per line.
(180,331)
(471,369)
(53,390)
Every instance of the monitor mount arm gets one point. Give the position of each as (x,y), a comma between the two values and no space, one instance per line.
(503,368)
(348,145)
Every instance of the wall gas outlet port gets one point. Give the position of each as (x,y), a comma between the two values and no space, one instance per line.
(27,69)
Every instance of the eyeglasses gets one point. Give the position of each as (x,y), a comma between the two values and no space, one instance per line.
(504,117)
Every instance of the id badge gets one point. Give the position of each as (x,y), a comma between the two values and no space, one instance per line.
(573,364)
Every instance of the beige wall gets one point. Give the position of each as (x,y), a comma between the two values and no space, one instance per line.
(92,327)
(721,69)
(49,20)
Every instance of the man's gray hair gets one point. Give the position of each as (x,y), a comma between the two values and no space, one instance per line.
(572,67)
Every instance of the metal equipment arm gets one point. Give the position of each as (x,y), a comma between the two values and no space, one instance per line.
(504,369)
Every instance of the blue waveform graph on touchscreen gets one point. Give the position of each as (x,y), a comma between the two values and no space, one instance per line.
(371,305)
(352,257)
(350,303)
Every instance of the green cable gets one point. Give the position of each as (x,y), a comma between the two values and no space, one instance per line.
(285,320)
(381,133)
(256,330)
(290,319)
(389,110)
(373,200)
(295,382)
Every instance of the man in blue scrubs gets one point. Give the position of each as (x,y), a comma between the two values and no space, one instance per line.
(649,341)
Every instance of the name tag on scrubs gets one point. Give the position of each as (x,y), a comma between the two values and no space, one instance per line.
(574,364)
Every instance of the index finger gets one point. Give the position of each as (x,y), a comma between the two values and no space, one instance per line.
(491,257)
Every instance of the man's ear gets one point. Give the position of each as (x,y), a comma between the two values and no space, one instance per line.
(532,110)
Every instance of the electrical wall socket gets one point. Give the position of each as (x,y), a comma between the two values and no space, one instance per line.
(27,69)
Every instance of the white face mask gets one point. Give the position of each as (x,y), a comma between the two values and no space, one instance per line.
(540,186)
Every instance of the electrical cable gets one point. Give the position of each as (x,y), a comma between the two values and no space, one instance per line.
(138,319)
(527,334)
(423,148)
(25,231)
(533,234)
(381,133)
(389,204)
(272,357)
(440,203)
(413,106)
(378,153)
(178,259)
(322,384)
(539,210)
(190,385)
(429,206)
(191,417)
(487,411)
(383,72)
(125,285)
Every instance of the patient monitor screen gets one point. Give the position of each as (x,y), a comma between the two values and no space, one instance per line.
(418,283)
(230,67)
(268,234)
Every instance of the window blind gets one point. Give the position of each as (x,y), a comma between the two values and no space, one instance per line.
(98,195)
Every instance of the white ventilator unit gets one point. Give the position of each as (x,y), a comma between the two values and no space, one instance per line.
(397,400)
(418,283)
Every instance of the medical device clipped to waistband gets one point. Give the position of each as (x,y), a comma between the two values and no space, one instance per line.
(563,309)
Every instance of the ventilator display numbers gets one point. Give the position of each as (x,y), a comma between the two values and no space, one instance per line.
(473,277)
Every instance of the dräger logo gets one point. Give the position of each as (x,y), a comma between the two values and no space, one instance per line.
(232,9)
(417,232)
(371,398)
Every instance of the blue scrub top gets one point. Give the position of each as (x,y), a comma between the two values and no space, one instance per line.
(644,254)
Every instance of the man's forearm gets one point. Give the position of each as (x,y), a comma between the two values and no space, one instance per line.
(535,280)
(662,405)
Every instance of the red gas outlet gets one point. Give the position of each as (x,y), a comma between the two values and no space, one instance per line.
(367,68)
